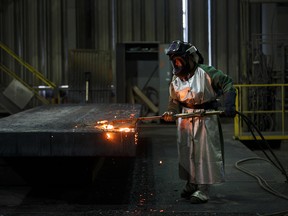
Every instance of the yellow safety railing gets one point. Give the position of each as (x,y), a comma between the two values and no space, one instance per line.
(15,76)
(266,106)
(30,68)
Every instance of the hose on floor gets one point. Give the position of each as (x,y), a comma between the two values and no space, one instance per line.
(274,161)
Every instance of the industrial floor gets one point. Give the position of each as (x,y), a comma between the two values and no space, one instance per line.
(145,185)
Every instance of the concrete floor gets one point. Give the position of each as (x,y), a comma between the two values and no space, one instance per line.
(154,187)
(240,194)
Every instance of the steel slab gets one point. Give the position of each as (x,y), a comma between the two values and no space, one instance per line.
(67,130)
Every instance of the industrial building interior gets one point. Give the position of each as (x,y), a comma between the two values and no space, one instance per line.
(66,64)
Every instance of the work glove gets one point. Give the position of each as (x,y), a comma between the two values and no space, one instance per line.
(229,100)
(168,116)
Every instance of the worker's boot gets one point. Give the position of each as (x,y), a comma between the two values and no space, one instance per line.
(188,190)
(201,195)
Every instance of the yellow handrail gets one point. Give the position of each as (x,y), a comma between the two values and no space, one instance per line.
(28,66)
(281,111)
(12,74)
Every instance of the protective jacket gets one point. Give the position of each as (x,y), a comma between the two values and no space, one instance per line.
(200,140)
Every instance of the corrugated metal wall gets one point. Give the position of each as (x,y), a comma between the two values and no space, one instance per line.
(148,20)
(44,31)
(198,25)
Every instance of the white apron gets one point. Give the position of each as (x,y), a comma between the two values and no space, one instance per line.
(200,141)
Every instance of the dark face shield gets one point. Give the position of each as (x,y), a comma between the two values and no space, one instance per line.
(179,53)
(180,66)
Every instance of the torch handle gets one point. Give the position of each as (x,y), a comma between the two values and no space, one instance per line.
(198,114)
(183,115)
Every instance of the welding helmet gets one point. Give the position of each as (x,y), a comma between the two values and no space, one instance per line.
(179,53)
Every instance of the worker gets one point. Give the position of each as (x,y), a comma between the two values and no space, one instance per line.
(196,87)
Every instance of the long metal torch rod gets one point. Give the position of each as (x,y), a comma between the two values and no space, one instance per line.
(183,115)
